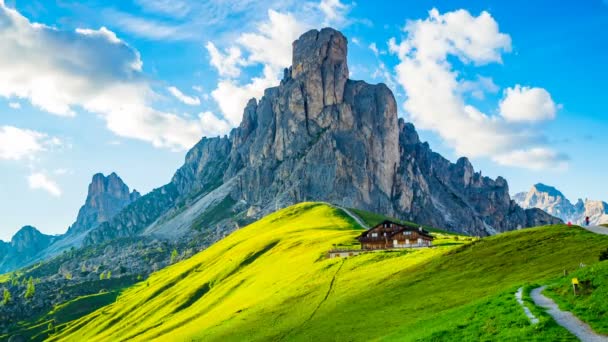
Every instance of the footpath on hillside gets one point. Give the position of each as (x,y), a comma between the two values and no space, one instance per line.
(352,215)
(566,319)
(597,229)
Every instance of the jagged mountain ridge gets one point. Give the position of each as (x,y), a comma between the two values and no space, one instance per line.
(553,201)
(321,136)
(106,197)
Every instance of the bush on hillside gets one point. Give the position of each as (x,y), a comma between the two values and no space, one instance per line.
(604,255)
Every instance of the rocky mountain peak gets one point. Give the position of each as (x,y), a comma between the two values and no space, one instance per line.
(107,195)
(554,202)
(29,238)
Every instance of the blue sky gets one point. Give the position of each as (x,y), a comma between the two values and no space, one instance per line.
(127,86)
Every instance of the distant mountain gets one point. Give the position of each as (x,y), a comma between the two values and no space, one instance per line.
(552,201)
(320,136)
(107,196)
(24,245)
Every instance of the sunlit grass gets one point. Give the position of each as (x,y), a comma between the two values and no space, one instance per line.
(271,281)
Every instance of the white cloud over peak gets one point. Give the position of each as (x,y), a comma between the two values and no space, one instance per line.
(435,90)
(232,97)
(17,143)
(40,181)
(63,71)
(228,63)
(15,105)
(189,100)
(521,104)
(269,44)
(334,12)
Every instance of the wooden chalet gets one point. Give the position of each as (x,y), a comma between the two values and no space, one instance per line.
(390,234)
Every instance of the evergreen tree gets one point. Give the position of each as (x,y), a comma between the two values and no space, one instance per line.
(174,256)
(108,274)
(102,276)
(6,297)
(31,289)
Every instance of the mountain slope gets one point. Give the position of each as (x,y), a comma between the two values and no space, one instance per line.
(271,281)
(552,201)
(23,247)
(320,136)
(106,197)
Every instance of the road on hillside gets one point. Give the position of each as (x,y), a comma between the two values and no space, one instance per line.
(566,319)
(352,215)
(597,229)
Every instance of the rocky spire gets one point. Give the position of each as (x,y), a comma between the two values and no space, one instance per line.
(106,197)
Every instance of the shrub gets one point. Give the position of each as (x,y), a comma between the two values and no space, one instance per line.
(604,255)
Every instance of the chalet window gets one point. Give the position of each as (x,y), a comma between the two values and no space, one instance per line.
(374,234)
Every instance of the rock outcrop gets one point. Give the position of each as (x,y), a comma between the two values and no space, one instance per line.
(107,196)
(24,245)
(552,201)
(319,136)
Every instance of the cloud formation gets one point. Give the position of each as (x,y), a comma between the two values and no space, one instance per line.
(269,44)
(185,99)
(63,71)
(40,181)
(18,144)
(435,91)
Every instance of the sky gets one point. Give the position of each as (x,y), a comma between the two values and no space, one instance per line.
(129,86)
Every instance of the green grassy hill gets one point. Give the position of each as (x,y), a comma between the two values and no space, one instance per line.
(272,281)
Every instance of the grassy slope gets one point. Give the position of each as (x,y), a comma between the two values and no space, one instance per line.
(270,281)
(591,303)
(62,314)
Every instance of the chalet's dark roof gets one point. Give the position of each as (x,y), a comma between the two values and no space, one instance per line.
(400,228)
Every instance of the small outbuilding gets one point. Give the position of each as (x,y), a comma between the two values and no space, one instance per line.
(388,234)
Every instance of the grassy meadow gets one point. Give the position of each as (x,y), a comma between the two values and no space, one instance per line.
(272,281)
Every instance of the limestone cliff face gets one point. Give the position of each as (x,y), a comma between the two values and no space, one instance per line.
(106,197)
(319,136)
(552,201)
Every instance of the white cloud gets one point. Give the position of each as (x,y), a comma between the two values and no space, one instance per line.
(355,41)
(271,43)
(17,144)
(232,97)
(148,28)
(40,181)
(537,158)
(334,11)
(189,100)
(228,63)
(63,71)
(522,104)
(435,93)
(479,87)
(213,125)
(374,49)
(15,105)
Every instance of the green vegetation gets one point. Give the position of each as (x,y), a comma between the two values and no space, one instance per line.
(6,297)
(174,256)
(604,225)
(604,255)
(272,281)
(591,301)
(56,319)
(31,289)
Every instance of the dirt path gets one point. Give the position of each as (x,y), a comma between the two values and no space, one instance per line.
(518,296)
(353,216)
(566,319)
(597,229)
